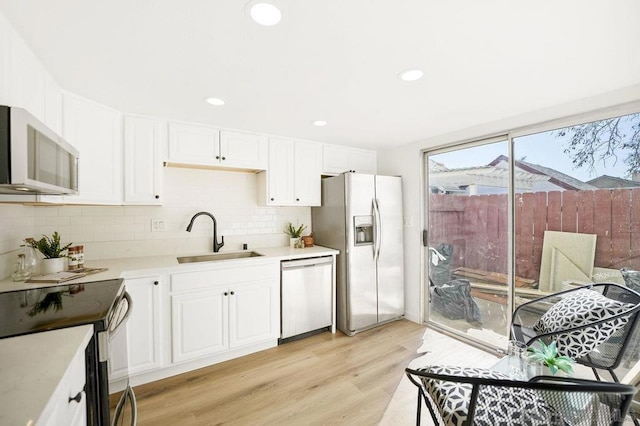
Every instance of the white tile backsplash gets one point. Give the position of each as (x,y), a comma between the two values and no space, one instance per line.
(122,231)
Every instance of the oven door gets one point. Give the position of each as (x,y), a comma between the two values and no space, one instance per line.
(116,334)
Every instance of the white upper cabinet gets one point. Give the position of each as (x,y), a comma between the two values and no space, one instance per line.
(144,139)
(293,176)
(193,144)
(199,145)
(96,131)
(337,159)
(243,150)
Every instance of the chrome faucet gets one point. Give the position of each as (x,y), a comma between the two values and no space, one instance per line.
(216,246)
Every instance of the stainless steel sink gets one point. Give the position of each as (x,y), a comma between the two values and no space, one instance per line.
(218,256)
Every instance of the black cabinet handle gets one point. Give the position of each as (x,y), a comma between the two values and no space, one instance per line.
(232,293)
(157,197)
(76,398)
(156,283)
(226,294)
(224,158)
(272,199)
(297,199)
(217,157)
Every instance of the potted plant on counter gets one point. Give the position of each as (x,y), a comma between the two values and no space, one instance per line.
(294,233)
(52,250)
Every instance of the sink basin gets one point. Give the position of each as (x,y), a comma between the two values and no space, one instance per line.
(218,256)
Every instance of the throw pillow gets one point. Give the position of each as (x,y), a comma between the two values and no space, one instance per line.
(495,405)
(580,308)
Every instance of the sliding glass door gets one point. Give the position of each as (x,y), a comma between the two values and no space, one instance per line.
(467,244)
(542,210)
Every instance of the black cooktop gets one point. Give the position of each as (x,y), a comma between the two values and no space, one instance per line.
(49,308)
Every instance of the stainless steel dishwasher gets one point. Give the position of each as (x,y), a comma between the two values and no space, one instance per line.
(306,296)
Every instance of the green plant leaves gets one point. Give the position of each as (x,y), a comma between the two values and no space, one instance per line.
(548,355)
(50,247)
(293,231)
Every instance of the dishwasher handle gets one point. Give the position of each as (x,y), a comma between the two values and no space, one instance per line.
(306,263)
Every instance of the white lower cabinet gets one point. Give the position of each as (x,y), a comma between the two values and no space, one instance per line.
(143,336)
(199,324)
(193,316)
(209,319)
(69,402)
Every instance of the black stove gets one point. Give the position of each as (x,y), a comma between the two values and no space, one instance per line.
(103,304)
(50,308)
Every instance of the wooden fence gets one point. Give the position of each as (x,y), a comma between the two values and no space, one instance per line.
(478,229)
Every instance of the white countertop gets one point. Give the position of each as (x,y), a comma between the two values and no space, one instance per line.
(31,369)
(123,267)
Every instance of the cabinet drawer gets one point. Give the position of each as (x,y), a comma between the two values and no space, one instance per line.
(186,281)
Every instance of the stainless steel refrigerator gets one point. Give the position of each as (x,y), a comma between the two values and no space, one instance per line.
(361,215)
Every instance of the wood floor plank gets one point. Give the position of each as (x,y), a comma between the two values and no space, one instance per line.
(323,379)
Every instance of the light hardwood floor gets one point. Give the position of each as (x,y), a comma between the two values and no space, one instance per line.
(323,379)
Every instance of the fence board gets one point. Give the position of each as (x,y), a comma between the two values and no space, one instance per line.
(602,227)
(585,212)
(494,205)
(474,233)
(525,210)
(503,232)
(539,226)
(569,211)
(554,211)
(620,226)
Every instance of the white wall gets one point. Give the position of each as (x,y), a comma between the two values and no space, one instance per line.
(406,161)
(124,231)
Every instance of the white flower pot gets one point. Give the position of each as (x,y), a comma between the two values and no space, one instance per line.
(50,266)
(292,242)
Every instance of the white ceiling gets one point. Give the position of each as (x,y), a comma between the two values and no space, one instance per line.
(335,60)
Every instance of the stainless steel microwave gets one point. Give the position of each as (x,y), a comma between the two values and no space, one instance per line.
(33,158)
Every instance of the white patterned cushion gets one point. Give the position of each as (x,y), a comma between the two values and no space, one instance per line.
(580,308)
(495,405)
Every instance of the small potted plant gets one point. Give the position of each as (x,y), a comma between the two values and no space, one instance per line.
(52,250)
(294,233)
(549,357)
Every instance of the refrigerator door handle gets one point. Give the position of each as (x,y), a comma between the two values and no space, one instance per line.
(378,230)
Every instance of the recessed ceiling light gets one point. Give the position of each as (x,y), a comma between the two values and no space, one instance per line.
(264,13)
(320,123)
(214,101)
(411,75)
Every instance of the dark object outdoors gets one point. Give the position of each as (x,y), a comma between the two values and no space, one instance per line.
(440,263)
(450,298)
(604,337)
(631,278)
(453,301)
(456,395)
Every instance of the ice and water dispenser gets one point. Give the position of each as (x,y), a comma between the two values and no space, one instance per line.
(363,228)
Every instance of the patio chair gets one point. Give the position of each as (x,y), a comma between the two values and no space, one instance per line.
(592,324)
(473,396)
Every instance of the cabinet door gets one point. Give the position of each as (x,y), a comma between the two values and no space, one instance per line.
(363,161)
(307,166)
(193,144)
(143,327)
(143,336)
(253,311)
(96,131)
(338,159)
(243,150)
(280,175)
(199,323)
(143,140)
(335,160)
